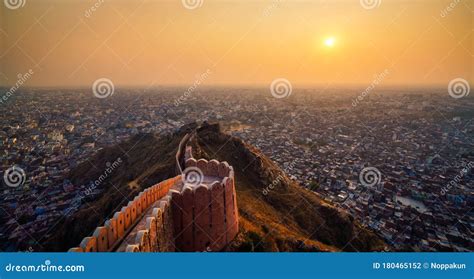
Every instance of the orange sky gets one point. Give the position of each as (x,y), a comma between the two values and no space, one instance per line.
(147,43)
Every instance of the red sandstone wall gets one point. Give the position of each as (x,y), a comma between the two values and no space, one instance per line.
(202,218)
(206,217)
(109,236)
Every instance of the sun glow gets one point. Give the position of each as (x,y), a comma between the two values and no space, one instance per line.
(330,42)
(335,47)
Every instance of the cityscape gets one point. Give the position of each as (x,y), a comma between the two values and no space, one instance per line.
(398,159)
(309,126)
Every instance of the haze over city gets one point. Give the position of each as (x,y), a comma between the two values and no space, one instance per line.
(199,125)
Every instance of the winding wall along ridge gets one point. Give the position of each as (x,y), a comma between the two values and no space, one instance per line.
(174,215)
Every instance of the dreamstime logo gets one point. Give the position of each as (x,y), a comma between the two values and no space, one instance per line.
(277,180)
(270,8)
(199,79)
(457,179)
(370,177)
(77,200)
(370,4)
(192,176)
(14,177)
(281,88)
(88,13)
(47,266)
(110,167)
(14,4)
(103,88)
(449,8)
(192,4)
(22,78)
(272,185)
(377,80)
(458,88)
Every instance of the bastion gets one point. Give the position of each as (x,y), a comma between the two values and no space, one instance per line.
(191,212)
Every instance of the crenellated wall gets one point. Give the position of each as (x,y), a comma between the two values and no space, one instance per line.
(205,214)
(194,211)
(152,204)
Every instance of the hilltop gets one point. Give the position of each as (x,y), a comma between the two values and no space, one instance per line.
(276,214)
(146,159)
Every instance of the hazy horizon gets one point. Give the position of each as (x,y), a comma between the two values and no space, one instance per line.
(359,86)
(240,43)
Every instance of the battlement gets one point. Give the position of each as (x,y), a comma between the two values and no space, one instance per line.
(205,211)
(117,229)
(194,211)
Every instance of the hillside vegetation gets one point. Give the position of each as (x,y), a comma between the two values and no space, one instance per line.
(286,218)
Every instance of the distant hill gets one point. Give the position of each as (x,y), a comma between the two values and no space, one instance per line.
(285,218)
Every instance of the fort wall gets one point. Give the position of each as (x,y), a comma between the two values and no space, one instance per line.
(205,215)
(178,214)
(152,204)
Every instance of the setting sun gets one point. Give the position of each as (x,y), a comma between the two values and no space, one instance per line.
(166,29)
(330,42)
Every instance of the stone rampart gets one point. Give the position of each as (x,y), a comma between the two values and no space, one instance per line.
(153,205)
(205,214)
(194,211)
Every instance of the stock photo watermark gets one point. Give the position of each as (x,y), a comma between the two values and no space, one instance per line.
(459,88)
(275,182)
(22,79)
(14,4)
(444,12)
(110,167)
(455,181)
(103,88)
(89,190)
(281,88)
(14,177)
(272,7)
(370,177)
(188,93)
(90,11)
(192,176)
(192,4)
(377,80)
(47,266)
(370,4)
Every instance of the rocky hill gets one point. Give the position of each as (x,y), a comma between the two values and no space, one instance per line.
(276,214)
(145,160)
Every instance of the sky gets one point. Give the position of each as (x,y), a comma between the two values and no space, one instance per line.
(152,43)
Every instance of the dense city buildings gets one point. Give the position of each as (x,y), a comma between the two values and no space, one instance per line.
(399,160)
